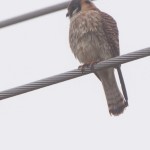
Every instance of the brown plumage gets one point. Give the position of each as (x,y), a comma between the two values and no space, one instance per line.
(93,36)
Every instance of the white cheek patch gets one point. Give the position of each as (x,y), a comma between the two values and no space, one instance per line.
(75,11)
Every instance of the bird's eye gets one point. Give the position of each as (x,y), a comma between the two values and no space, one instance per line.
(87,1)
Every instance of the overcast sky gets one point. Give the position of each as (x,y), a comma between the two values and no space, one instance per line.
(72,115)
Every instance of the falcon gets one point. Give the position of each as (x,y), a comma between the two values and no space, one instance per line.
(93,37)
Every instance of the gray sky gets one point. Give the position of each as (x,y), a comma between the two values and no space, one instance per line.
(73,114)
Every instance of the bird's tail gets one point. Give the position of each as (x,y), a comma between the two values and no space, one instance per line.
(115,100)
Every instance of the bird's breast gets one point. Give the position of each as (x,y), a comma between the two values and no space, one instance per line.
(87,38)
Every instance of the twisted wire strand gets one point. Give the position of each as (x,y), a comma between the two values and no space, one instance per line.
(34,14)
(113,62)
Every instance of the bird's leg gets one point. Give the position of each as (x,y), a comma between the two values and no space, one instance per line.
(92,68)
(82,67)
(90,65)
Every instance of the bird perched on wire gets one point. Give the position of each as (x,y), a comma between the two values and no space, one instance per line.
(93,37)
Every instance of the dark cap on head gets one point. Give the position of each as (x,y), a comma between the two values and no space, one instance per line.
(74,6)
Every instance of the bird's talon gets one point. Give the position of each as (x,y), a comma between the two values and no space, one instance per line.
(92,65)
(82,67)
(89,65)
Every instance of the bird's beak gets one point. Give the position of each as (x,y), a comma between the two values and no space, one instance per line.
(67,15)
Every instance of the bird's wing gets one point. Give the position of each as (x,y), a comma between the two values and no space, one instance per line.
(111,33)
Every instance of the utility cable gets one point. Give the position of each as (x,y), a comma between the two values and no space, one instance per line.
(113,62)
(34,14)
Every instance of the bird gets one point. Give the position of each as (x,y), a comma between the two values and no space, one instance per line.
(94,37)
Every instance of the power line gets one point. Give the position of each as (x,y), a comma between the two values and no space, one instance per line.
(34,14)
(74,74)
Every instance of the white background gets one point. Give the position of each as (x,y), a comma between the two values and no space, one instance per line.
(72,115)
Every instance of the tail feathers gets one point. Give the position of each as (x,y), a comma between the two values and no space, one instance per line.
(115,100)
(117,108)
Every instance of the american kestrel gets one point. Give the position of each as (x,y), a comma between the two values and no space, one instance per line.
(93,37)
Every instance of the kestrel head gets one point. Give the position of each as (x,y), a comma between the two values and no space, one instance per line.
(76,6)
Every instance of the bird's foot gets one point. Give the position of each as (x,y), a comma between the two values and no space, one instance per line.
(82,67)
(88,65)
(92,65)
